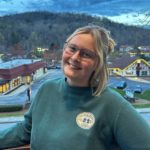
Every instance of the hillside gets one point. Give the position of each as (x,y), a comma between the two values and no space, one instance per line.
(43,29)
(131,12)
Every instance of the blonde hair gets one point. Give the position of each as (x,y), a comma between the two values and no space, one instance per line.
(104,44)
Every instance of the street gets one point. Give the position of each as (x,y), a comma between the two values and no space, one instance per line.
(20,98)
(130,83)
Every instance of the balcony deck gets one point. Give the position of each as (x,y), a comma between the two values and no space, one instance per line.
(26,147)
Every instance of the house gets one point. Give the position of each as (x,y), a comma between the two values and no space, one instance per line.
(144,48)
(145,53)
(125,48)
(20,71)
(129,66)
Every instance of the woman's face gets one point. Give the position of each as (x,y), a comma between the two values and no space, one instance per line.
(79,60)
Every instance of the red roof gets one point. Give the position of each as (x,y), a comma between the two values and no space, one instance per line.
(23,70)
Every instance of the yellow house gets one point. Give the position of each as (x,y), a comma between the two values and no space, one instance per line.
(129,66)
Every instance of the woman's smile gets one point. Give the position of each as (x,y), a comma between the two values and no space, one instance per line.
(74,66)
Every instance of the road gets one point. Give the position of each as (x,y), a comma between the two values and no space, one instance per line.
(130,83)
(20,98)
(5,125)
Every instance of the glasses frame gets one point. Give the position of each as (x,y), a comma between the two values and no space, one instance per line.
(83,52)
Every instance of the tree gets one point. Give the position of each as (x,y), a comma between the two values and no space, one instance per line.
(33,40)
(53,47)
(2,42)
(37,29)
(17,50)
(2,39)
(146,20)
(14,38)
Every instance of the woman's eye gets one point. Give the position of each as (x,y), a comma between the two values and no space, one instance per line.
(73,49)
(86,55)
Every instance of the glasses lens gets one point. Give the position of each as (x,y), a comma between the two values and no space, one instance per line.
(84,53)
(72,48)
(87,53)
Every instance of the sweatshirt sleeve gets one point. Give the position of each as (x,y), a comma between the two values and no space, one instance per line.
(18,134)
(131,129)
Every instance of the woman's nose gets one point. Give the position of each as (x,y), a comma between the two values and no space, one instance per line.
(76,56)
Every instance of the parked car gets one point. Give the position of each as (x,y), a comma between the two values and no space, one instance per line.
(58,66)
(129,95)
(138,89)
(51,67)
(121,85)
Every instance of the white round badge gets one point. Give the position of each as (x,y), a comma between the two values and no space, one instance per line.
(85,120)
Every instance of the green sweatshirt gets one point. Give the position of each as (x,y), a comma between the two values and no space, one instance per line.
(70,118)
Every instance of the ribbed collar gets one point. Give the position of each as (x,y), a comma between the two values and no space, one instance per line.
(79,91)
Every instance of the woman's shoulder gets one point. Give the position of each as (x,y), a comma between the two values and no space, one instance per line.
(110,91)
(53,81)
(110,95)
(50,84)
(112,101)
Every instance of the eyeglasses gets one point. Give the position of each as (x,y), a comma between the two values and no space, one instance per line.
(84,53)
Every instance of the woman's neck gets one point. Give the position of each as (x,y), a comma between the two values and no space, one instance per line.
(76,83)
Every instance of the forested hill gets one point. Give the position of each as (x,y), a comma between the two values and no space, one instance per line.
(42,29)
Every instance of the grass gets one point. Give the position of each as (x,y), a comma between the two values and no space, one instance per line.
(11,108)
(120,91)
(145,95)
(141,105)
(12,114)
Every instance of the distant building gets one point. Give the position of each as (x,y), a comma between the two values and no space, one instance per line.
(125,48)
(145,53)
(129,66)
(20,71)
(52,58)
(144,48)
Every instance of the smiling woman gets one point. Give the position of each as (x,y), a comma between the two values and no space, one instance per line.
(78,110)
(79,63)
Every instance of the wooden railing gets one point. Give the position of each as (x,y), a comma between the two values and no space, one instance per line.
(26,147)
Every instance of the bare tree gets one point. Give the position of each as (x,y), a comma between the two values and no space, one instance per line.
(146,20)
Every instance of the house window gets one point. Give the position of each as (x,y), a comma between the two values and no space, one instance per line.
(144,73)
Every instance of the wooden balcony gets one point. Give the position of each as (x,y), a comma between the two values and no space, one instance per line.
(26,147)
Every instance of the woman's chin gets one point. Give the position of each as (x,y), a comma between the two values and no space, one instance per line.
(68,70)
(71,74)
